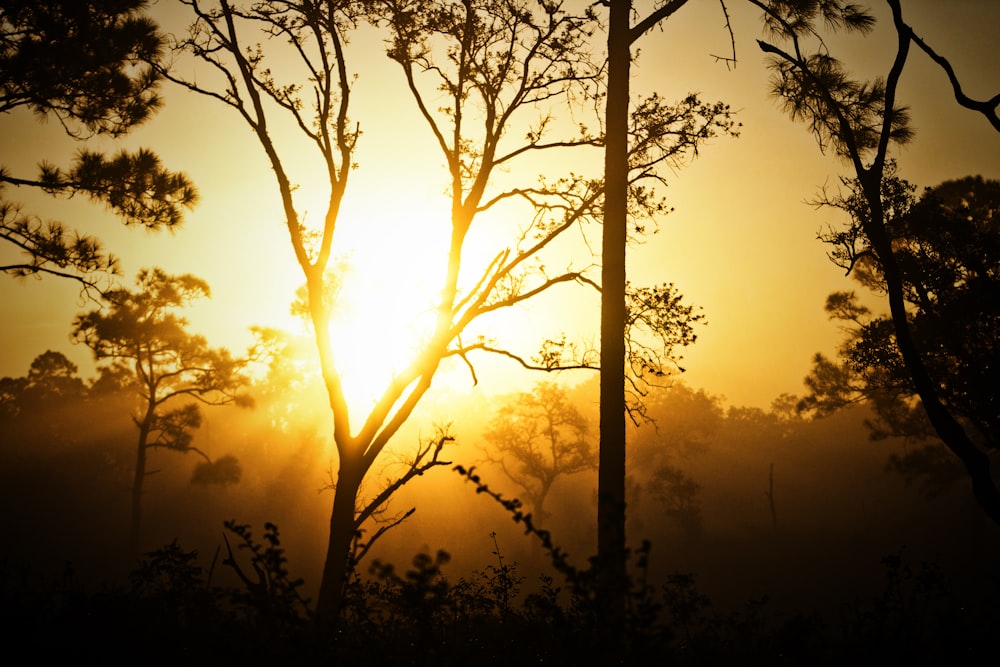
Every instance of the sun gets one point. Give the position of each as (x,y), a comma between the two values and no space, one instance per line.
(391,263)
(391,275)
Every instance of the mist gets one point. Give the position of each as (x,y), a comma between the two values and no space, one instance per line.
(753,503)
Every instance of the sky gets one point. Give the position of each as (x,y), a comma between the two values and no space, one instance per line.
(741,242)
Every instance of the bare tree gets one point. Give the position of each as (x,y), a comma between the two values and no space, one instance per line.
(538,437)
(510,59)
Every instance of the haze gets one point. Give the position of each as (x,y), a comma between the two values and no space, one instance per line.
(728,480)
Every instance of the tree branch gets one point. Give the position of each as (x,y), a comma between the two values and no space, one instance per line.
(988,108)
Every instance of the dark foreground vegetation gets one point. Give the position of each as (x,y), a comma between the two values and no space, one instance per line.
(173,609)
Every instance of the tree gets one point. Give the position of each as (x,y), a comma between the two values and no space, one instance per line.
(683,423)
(539,437)
(504,50)
(947,245)
(52,376)
(859,120)
(171,371)
(679,494)
(42,409)
(628,161)
(84,63)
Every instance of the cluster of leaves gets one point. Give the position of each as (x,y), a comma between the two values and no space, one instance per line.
(142,331)
(135,186)
(658,322)
(816,88)
(51,377)
(106,86)
(664,134)
(50,246)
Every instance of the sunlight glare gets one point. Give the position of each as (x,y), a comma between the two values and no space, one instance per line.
(385,308)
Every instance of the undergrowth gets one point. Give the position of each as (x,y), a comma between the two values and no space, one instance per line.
(171,610)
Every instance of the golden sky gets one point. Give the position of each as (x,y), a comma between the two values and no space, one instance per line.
(741,243)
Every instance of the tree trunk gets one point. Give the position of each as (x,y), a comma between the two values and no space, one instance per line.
(611,474)
(541,516)
(138,479)
(770,499)
(337,566)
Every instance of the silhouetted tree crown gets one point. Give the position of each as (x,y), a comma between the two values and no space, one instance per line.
(861,119)
(536,438)
(86,62)
(947,244)
(92,65)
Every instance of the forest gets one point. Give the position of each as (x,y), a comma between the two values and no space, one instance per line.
(460,413)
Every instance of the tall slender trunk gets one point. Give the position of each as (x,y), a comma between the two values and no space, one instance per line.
(611,474)
(138,480)
(541,516)
(336,567)
(770,499)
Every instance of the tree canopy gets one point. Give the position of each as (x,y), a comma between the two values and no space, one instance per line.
(90,65)
(947,244)
(84,62)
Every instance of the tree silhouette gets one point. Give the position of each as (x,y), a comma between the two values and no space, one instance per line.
(139,335)
(859,120)
(537,437)
(52,376)
(538,67)
(678,494)
(85,64)
(947,245)
(629,159)
(42,409)
(682,424)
